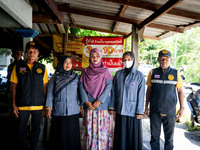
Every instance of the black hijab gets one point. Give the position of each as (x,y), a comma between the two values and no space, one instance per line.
(128,70)
(63,78)
(60,68)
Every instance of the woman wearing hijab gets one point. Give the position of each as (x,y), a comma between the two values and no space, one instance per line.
(62,106)
(95,88)
(128,100)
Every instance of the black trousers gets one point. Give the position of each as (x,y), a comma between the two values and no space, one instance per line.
(22,128)
(128,133)
(168,125)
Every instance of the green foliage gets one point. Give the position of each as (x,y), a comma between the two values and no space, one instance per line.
(74,30)
(191,127)
(5,51)
(188,52)
(148,51)
(82,32)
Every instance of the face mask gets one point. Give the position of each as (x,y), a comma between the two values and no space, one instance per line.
(128,64)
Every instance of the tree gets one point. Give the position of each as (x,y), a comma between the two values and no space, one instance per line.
(5,51)
(188,52)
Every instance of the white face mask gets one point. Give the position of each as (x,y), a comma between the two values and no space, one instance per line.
(128,64)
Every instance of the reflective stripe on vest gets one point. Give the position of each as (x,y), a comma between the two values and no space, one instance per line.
(163,81)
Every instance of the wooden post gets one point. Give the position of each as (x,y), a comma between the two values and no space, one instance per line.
(65,41)
(125,44)
(134,44)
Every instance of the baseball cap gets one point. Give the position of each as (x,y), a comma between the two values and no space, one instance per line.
(164,53)
(32,44)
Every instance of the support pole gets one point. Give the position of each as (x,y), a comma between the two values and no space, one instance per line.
(125,44)
(134,44)
(65,41)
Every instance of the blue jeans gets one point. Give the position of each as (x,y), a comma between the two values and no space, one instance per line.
(168,125)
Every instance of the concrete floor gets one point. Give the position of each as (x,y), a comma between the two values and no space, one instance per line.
(183,139)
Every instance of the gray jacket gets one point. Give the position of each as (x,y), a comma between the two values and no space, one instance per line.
(104,98)
(66,103)
(127,95)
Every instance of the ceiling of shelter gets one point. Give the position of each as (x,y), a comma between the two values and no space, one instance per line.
(158,18)
(155,19)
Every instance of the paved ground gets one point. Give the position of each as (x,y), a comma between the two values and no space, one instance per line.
(183,140)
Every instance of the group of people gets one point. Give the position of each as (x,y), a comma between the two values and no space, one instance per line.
(111,107)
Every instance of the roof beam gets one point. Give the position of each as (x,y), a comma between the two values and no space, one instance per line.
(46,46)
(108,31)
(71,16)
(121,13)
(53,6)
(97,29)
(84,27)
(58,28)
(152,38)
(65,8)
(159,12)
(154,7)
(43,18)
(167,28)
(194,24)
(163,27)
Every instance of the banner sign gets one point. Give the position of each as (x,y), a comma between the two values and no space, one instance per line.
(111,49)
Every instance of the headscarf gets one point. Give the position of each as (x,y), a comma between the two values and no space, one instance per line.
(63,78)
(128,70)
(94,77)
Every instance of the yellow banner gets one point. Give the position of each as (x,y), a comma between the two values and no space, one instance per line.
(111,49)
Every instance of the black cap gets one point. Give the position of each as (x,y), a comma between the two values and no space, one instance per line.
(32,44)
(164,53)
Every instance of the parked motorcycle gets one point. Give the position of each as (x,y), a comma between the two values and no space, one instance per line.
(3,82)
(193,101)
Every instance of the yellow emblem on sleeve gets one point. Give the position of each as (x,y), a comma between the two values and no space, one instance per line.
(170,77)
(39,70)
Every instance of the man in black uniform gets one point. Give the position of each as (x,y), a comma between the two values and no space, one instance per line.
(28,95)
(163,84)
(17,55)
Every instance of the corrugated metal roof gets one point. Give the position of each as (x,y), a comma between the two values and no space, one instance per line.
(113,9)
(124,27)
(136,13)
(173,20)
(94,22)
(93,6)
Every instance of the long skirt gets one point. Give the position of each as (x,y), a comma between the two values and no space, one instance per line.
(65,133)
(99,130)
(128,133)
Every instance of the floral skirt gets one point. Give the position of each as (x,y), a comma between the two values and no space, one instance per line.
(99,133)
